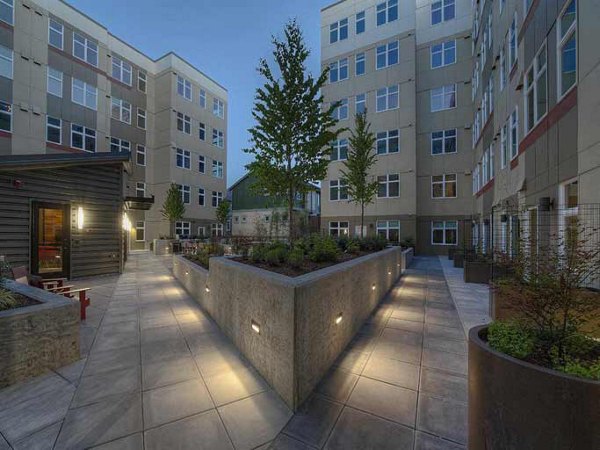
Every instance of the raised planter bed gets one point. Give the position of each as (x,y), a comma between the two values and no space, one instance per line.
(515,404)
(37,338)
(162,246)
(290,328)
(477,271)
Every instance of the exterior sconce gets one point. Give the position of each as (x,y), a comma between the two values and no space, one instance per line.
(338,319)
(206,288)
(126,223)
(80,218)
(255,327)
(373,287)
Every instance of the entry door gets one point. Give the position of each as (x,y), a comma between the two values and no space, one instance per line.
(50,238)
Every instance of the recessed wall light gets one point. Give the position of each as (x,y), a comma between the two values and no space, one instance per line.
(373,287)
(255,327)
(338,319)
(206,288)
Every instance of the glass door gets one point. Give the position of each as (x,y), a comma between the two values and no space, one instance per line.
(50,240)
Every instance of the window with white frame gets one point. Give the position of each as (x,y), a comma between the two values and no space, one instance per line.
(443,98)
(5,116)
(121,70)
(84,94)
(184,123)
(201,164)
(7,11)
(341,112)
(218,108)
(140,189)
(217,198)
(141,81)
(512,42)
(444,232)
(338,190)
(183,228)
(119,145)
(202,98)
(387,98)
(339,229)
(388,185)
(475,179)
(443,142)
(217,169)
(140,230)
(567,47)
(361,24)
(338,31)
(443,54)
(218,138)
(183,158)
(339,150)
(514,134)
(361,103)
(360,65)
(503,74)
(83,138)
(85,49)
(536,90)
(184,88)
(443,186)
(185,193)
(504,145)
(120,110)
(141,118)
(216,229)
(442,11)
(53,130)
(338,70)
(387,55)
(55,82)
(55,34)
(388,142)
(140,155)
(202,131)
(389,229)
(387,12)
(201,197)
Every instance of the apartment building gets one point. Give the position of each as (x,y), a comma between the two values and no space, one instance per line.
(67,85)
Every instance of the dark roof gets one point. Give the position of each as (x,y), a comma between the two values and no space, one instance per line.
(16,162)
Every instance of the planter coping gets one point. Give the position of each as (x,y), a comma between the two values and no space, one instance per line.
(476,340)
(47,299)
(195,266)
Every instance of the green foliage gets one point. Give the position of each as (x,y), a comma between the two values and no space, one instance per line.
(296,257)
(323,249)
(276,255)
(258,253)
(511,338)
(408,242)
(584,371)
(7,299)
(353,246)
(202,257)
(223,212)
(373,244)
(293,130)
(173,208)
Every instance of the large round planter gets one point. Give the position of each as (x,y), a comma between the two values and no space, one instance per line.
(521,406)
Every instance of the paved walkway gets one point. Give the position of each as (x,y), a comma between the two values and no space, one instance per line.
(157,373)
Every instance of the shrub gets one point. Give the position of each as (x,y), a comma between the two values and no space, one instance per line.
(511,338)
(324,249)
(275,255)
(7,299)
(585,371)
(342,242)
(373,244)
(258,253)
(296,257)
(353,247)
(408,242)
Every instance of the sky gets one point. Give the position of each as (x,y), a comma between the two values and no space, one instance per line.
(223,38)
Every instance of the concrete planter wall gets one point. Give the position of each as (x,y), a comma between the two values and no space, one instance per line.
(517,405)
(299,338)
(459,258)
(38,338)
(162,246)
(477,271)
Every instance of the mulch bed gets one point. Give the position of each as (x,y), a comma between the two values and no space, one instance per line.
(21,301)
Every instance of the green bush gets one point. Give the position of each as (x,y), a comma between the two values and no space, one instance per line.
(275,255)
(373,244)
(296,257)
(342,242)
(258,253)
(511,338)
(585,371)
(324,249)
(353,247)
(7,299)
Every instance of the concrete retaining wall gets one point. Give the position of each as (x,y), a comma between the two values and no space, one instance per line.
(162,246)
(38,338)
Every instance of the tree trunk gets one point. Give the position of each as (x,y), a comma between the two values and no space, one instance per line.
(362,219)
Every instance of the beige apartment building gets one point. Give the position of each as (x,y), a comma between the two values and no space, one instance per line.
(68,85)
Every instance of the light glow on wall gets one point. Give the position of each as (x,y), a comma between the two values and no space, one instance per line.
(373,287)
(126,223)
(338,319)
(80,218)
(255,327)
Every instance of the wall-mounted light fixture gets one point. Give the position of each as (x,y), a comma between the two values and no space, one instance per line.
(186,272)
(338,319)
(255,326)
(206,288)
(80,218)
(126,223)
(389,271)
(373,287)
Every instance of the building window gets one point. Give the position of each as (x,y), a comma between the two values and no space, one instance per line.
(338,229)
(443,142)
(202,98)
(140,230)
(142,81)
(217,169)
(361,103)
(389,229)
(55,82)
(387,55)
(512,42)
(141,118)
(443,98)
(53,130)
(119,145)
(182,228)
(201,197)
(361,24)
(338,70)
(338,190)
(442,11)
(387,12)
(7,11)
(443,54)
(503,74)
(201,164)
(217,198)
(55,34)
(444,232)
(121,70)
(218,138)
(83,138)
(504,146)
(338,31)
(567,47)
(536,93)
(5,116)
(184,88)
(443,186)
(185,193)
(84,94)
(183,158)
(341,112)
(201,131)
(140,189)
(184,123)
(140,155)
(218,108)
(387,98)
(360,64)
(339,150)
(388,142)
(85,49)
(216,229)
(120,110)
(389,186)
(514,134)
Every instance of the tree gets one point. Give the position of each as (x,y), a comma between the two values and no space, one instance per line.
(361,158)
(223,212)
(293,131)
(173,208)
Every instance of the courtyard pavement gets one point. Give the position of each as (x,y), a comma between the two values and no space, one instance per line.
(157,373)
